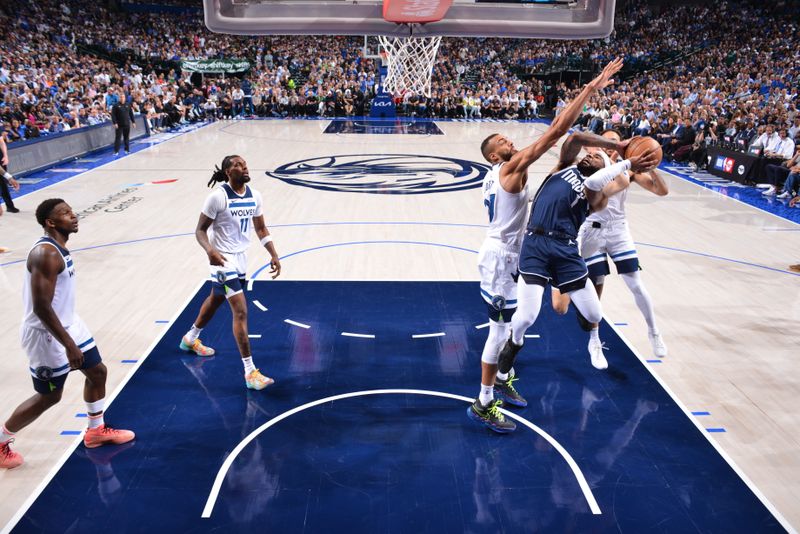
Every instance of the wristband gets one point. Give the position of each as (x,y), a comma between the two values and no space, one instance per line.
(267,239)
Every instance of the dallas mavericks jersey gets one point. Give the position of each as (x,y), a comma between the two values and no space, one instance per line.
(560,203)
(507,211)
(233,217)
(64,297)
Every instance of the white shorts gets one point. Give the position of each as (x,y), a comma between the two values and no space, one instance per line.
(229,280)
(601,240)
(498,269)
(44,350)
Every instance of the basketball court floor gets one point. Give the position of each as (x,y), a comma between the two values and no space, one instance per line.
(374,333)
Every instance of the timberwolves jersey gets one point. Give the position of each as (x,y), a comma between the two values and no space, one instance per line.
(64,297)
(560,204)
(507,211)
(233,217)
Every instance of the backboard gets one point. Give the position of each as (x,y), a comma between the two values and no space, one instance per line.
(543,19)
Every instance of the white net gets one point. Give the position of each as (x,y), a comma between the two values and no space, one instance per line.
(409,63)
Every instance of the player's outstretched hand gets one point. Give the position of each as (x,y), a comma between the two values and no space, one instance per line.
(646,161)
(275,271)
(794,202)
(606,77)
(622,146)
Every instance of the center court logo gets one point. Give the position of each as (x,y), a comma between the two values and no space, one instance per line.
(394,174)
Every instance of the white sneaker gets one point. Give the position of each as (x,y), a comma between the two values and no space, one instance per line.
(596,352)
(659,347)
(693,166)
(785,194)
(770,191)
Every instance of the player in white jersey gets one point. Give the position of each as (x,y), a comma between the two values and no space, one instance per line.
(506,199)
(230,214)
(55,339)
(604,234)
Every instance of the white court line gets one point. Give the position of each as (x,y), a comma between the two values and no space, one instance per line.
(295,323)
(258,304)
(484,325)
(421,336)
(68,169)
(254,336)
(767,504)
(226,465)
(61,461)
(532,336)
(351,334)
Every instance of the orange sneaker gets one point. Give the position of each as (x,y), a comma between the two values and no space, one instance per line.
(255,380)
(104,434)
(197,347)
(8,458)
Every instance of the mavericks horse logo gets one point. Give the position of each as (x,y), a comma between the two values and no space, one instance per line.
(404,174)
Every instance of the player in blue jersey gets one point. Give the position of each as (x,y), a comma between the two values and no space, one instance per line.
(229,215)
(505,194)
(549,252)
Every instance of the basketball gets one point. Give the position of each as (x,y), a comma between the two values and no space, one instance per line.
(639,145)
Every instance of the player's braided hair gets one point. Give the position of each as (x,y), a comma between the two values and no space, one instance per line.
(220,174)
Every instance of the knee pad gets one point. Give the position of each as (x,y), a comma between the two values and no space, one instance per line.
(498,334)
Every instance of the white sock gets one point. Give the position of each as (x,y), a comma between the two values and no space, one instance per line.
(594,334)
(95,421)
(653,331)
(95,407)
(487,394)
(193,333)
(249,367)
(5,434)
(503,376)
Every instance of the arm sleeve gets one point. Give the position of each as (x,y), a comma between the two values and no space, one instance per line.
(604,176)
(214,204)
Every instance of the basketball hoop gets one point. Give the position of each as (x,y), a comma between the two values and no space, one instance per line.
(410,63)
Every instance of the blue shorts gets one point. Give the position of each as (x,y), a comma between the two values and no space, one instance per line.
(544,260)
(228,287)
(44,382)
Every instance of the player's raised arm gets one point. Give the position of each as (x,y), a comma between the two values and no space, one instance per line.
(514,173)
(580,140)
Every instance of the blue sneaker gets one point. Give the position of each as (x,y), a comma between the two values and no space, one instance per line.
(491,416)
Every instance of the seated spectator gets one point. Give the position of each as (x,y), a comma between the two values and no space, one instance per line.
(779,173)
(680,144)
(746,136)
(641,126)
(31,130)
(767,140)
(783,149)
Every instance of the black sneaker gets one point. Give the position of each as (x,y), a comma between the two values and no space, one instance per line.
(491,416)
(506,391)
(505,360)
(586,326)
(12,210)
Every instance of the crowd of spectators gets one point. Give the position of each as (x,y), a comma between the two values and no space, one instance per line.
(701,72)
